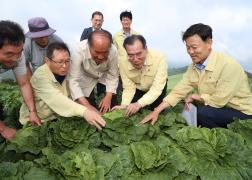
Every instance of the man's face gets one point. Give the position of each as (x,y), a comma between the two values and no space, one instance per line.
(97,21)
(42,41)
(136,54)
(126,22)
(59,63)
(9,54)
(198,49)
(100,49)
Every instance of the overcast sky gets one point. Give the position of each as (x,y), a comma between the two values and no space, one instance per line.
(160,21)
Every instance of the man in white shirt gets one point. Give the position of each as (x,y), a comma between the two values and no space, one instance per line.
(95,63)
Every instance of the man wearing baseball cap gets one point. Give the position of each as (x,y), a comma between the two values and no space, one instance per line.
(39,36)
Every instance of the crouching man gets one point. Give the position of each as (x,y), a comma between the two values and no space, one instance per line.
(222,86)
(144,76)
(51,89)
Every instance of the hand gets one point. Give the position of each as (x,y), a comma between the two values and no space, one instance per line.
(189,99)
(132,108)
(94,118)
(188,106)
(8,133)
(92,108)
(105,103)
(34,119)
(119,107)
(196,97)
(153,116)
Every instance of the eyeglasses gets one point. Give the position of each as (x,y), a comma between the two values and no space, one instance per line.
(61,63)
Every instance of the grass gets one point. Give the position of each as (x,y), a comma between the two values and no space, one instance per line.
(173,80)
(250,82)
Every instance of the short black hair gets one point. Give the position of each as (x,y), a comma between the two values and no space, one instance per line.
(11,33)
(56,46)
(127,14)
(130,40)
(100,32)
(202,30)
(97,13)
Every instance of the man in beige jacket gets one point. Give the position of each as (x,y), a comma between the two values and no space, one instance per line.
(95,63)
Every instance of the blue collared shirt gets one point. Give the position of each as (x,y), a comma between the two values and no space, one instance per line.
(202,66)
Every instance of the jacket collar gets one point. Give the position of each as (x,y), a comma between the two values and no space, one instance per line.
(211,61)
(50,74)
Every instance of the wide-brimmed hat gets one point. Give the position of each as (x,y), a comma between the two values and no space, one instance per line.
(39,27)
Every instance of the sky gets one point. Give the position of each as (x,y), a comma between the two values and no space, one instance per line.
(161,22)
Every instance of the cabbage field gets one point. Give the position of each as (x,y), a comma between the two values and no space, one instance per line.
(71,149)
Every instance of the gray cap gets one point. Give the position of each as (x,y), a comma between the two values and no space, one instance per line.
(39,27)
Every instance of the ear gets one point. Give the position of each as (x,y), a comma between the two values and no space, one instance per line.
(146,49)
(47,60)
(209,42)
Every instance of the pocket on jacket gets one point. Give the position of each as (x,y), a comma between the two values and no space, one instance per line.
(210,84)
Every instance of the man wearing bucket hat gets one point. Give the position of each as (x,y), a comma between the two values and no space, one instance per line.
(39,36)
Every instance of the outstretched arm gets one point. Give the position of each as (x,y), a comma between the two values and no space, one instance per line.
(153,116)
(27,94)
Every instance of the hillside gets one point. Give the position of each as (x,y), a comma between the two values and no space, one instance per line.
(174,71)
(173,80)
(175,75)
(249,75)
